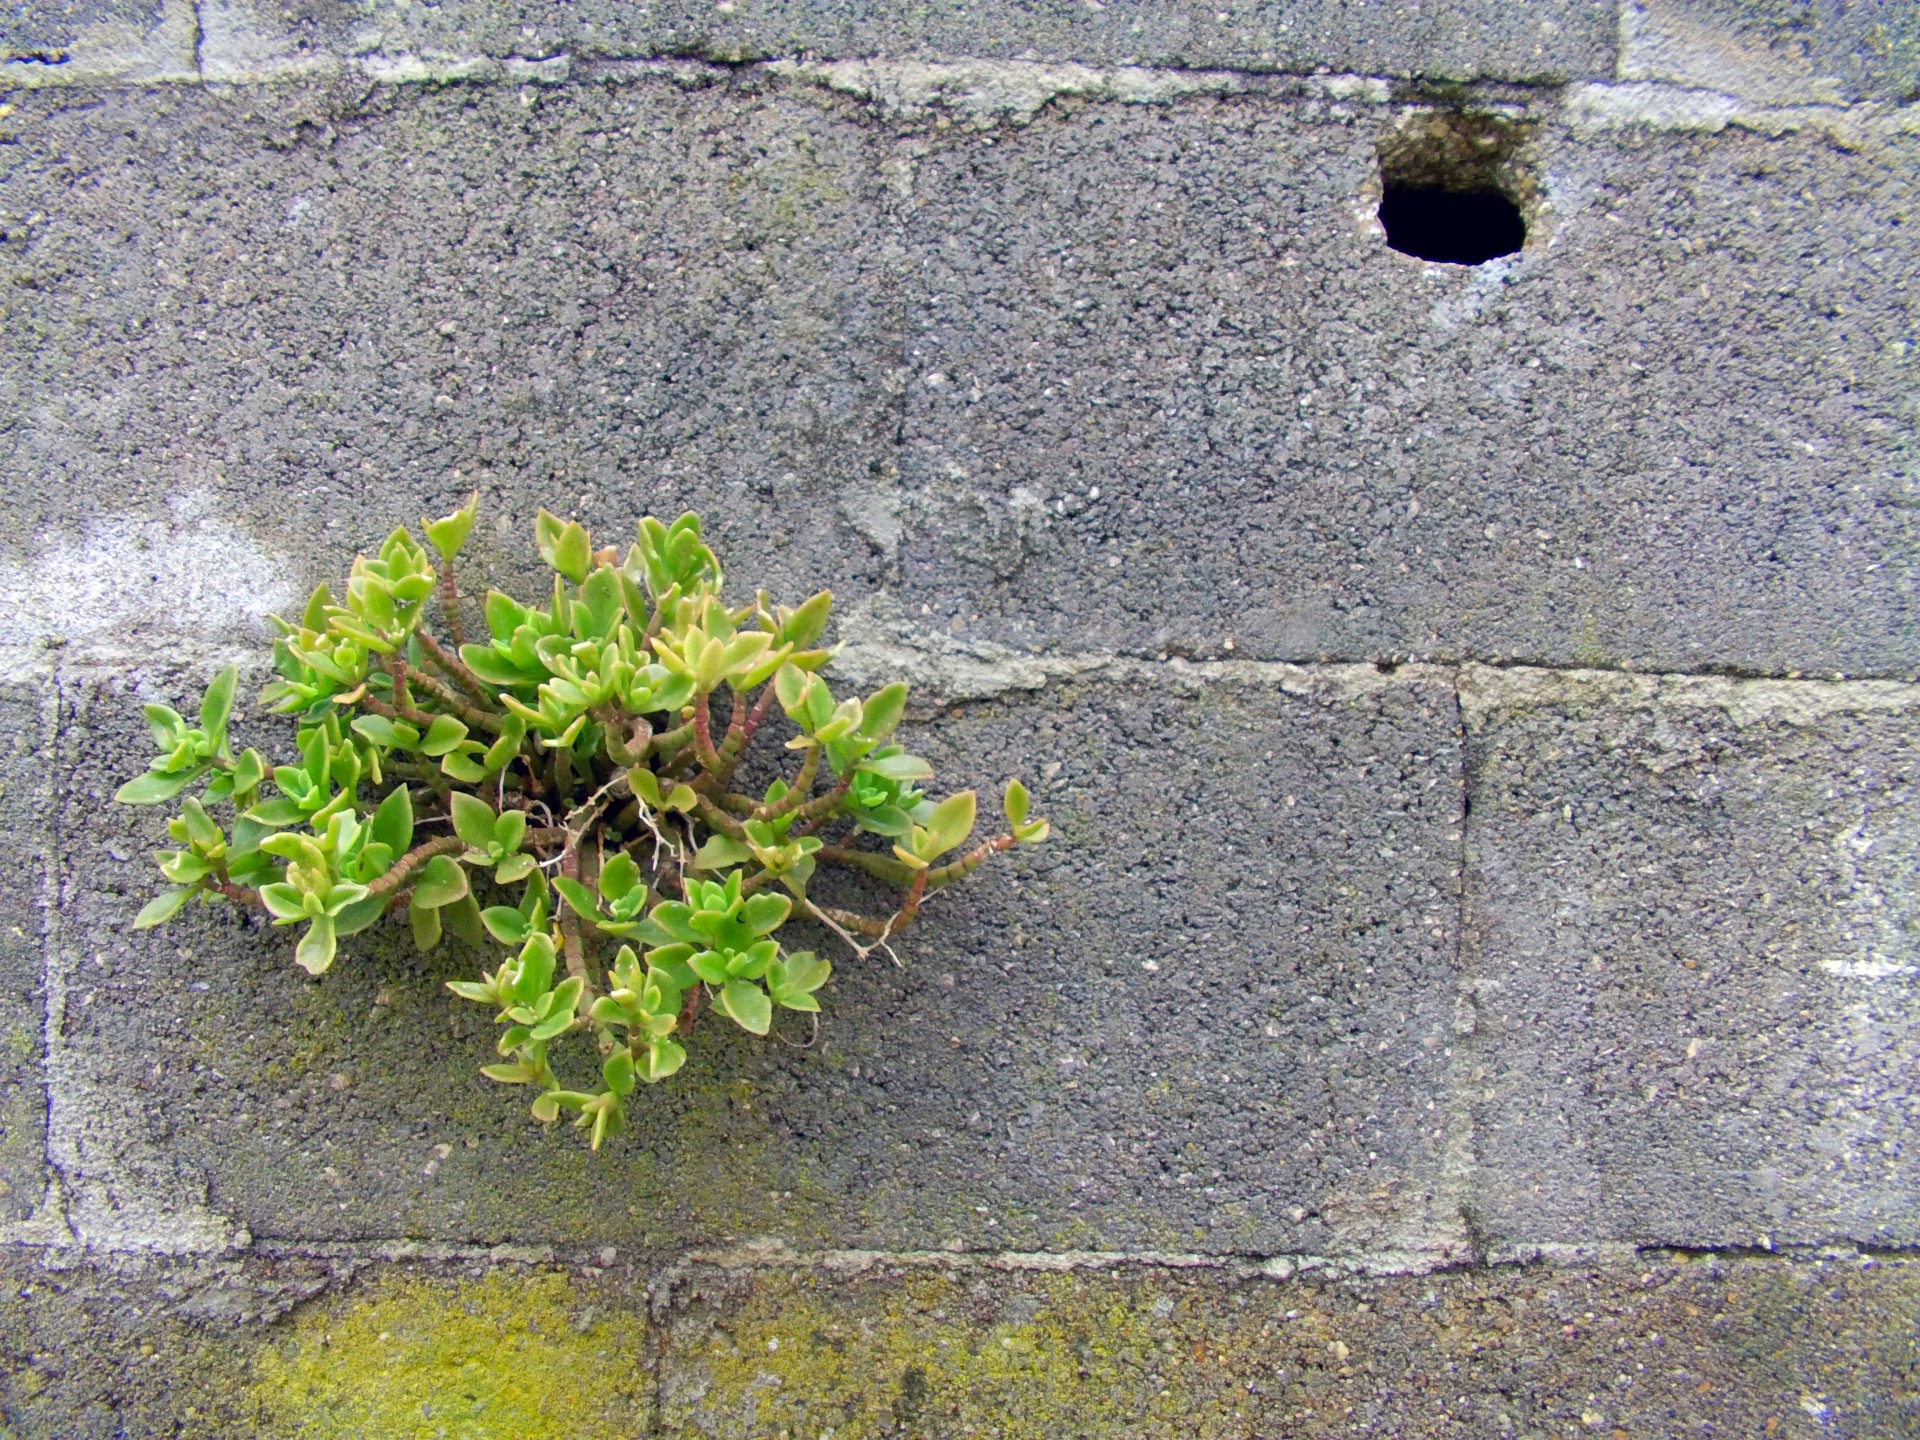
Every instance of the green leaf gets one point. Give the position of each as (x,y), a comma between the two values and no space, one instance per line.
(564,545)
(720,851)
(162,908)
(463,918)
(440,882)
(903,768)
(617,1071)
(794,979)
(509,830)
(461,766)
(315,951)
(392,824)
(472,990)
(747,1005)
(218,704)
(579,899)
(153,787)
(277,813)
(764,914)
(514,869)
(426,926)
(535,973)
(359,915)
(472,820)
(619,877)
(664,1057)
(515,1074)
(505,923)
(445,733)
(448,534)
(950,824)
(1015,802)
(881,714)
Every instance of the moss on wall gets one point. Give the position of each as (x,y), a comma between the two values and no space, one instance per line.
(510,1355)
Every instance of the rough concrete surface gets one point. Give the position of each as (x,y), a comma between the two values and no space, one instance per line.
(1436,930)
(1170,389)
(27,722)
(1782,54)
(1554,40)
(1695,950)
(324,1346)
(1199,1018)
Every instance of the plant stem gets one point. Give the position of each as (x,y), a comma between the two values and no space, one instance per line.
(797,796)
(450,602)
(476,718)
(411,861)
(710,760)
(454,666)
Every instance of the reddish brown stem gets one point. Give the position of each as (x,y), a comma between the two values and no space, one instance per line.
(450,602)
(411,861)
(710,760)
(457,668)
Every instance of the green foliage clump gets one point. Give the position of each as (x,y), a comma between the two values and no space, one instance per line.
(586,755)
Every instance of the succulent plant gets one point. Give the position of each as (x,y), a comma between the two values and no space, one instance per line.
(564,786)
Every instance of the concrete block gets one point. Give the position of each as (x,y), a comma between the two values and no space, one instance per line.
(1211,1014)
(1457,40)
(1693,938)
(26,845)
(1776,53)
(94,42)
(278,322)
(324,1346)
(1169,388)
(1663,1346)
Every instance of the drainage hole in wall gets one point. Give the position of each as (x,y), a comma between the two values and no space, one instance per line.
(1455,227)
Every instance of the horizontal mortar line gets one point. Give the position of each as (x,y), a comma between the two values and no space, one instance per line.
(915,84)
(1011,669)
(777,1255)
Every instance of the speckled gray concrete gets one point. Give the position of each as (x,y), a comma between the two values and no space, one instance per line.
(1694,941)
(1170,387)
(1774,52)
(281,321)
(1552,40)
(26,791)
(91,41)
(1204,1016)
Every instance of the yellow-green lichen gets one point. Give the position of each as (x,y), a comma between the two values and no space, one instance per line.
(510,1356)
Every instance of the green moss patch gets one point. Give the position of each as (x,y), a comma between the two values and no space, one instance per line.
(512,1355)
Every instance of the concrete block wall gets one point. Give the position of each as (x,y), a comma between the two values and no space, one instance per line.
(1470,989)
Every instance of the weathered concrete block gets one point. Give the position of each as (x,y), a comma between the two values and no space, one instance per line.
(95,1348)
(1210,1014)
(93,42)
(277,323)
(1170,388)
(1693,935)
(1457,40)
(26,844)
(1776,53)
(1664,1347)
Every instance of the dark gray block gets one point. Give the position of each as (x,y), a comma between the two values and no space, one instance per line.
(1694,942)
(286,320)
(1170,386)
(26,843)
(1777,51)
(1210,1014)
(1664,1347)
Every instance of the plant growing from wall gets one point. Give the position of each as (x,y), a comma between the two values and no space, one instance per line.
(567,787)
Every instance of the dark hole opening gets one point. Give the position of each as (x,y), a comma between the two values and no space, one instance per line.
(1456,227)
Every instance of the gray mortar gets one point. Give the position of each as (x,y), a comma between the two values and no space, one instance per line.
(1694,950)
